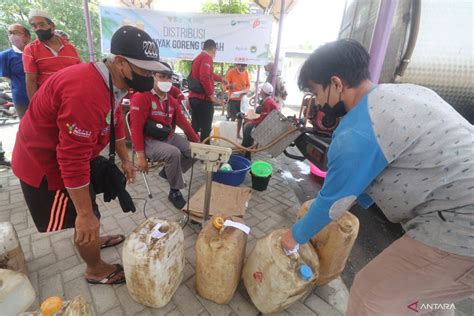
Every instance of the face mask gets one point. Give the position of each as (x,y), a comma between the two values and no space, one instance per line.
(44,35)
(333,112)
(164,86)
(138,82)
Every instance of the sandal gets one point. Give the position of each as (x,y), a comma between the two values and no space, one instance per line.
(108,242)
(106,280)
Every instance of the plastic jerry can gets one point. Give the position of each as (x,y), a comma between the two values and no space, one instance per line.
(153,261)
(220,253)
(274,280)
(11,254)
(333,244)
(16,292)
(227,130)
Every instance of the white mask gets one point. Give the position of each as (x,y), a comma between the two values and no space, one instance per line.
(164,86)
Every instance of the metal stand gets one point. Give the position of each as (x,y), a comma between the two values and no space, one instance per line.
(207,197)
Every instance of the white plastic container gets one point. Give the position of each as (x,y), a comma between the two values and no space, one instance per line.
(227,130)
(16,293)
(153,260)
(274,280)
(11,254)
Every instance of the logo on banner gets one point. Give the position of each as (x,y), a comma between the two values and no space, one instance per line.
(256,23)
(234,22)
(150,50)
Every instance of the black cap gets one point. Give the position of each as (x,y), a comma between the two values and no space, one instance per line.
(137,47)
(168,70)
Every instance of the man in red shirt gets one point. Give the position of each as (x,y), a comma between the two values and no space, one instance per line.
(202,103)
(267,105)
(160,107)
(66,126)
(47,54)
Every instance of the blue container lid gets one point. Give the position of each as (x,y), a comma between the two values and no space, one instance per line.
(305,272)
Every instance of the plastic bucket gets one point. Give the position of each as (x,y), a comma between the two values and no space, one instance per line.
(261,173)
(240,165)
(317,172)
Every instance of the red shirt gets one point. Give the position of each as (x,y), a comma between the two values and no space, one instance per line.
(64,128)
(268,106)
(42,60)
(148,105)
(203,70)
(176,93)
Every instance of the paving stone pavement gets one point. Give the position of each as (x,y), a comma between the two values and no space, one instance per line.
(55,267)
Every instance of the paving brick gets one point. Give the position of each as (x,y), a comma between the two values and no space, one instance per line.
(190,255)
(110,254)
(33,276)
(104,297)
(267,225)
(64,234)
(213,308)
(18,217)
(319,306)
(186,301)
(63,248)
(51,287)
(188,272)
(77,286)
(39,263)
(241,306)
(168,309)
(74,272)
(130,307)
(58,267)
(117,311)
(299,309)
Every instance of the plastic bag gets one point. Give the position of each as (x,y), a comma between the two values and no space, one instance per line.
(244,104)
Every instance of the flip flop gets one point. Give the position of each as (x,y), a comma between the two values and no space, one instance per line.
(108,242)
(106,280)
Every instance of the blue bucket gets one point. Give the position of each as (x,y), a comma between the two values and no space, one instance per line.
(240,167)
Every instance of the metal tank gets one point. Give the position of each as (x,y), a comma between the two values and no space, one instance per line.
(431,44)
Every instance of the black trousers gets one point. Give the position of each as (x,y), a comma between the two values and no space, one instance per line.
(247,139)
(201,116)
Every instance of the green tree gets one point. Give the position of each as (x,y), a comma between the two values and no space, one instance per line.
(67,15)
(223,7)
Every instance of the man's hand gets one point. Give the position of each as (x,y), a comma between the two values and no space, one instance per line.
(231,86)
(287,241)
(87,229)
(129,171)
(142,164)
(215,100)
(225,82)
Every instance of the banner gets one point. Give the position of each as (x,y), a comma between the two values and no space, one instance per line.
(240,38)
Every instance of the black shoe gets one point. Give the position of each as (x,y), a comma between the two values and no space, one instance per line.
(177,199)
(162,174)
(4,161)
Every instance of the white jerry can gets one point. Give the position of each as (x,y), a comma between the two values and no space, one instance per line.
(16,292)
(11,254)
(153,261)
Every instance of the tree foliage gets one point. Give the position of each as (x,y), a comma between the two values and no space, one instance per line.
(67,15)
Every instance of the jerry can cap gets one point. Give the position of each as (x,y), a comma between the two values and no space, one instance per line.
(305,272)
(218,222)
